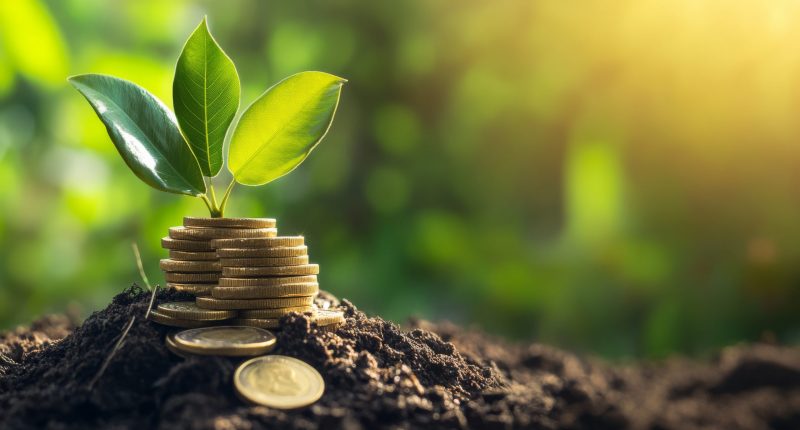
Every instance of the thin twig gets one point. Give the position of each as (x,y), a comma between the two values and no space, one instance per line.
(117,346)
(140,265)
(152,300)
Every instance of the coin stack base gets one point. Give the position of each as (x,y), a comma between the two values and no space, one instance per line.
(265,279)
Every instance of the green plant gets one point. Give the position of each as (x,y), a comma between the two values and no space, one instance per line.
(181,152)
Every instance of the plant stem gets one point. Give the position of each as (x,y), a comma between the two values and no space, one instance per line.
(206,201)
(212,207)
(213,194)
(225,197)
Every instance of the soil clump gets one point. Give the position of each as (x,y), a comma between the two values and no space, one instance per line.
(378,375)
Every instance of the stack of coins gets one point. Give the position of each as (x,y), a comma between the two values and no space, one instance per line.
(193,265)
(240,266)
(265,279)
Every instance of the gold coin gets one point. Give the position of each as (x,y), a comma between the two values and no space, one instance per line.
(275,313)
(305,269)
(178,322)
(169,342)
(208,233)
(279,251)
(260,242)
(326,317)
(289,290)
(265,323)
(265,282)
(190,311)
(193,256)
(196,289)
(261,262)
(189,266)
(284,302)
(230,341)
(188,278)
(186,245)
(278,381)
(229,222)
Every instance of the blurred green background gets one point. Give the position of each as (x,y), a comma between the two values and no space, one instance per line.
(620,177)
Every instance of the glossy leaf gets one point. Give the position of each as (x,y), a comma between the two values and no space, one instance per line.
(145,133)
(205,93)
(278,131)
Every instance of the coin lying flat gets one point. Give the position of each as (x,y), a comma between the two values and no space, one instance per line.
(285,302)
(192,256)
(260,262)
(276,313)
(264,323)
(186,245)
(208,233)
(169,342)
(190,311)
(279,382)
(289,290)
(326,317)
(188,278)
(266,282)
(189,266)
(229,222)
(178,322)
(232,341)
(305,269)
(260,242)
(278,251)
(196,289)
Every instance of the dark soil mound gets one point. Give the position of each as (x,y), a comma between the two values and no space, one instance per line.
(378,376)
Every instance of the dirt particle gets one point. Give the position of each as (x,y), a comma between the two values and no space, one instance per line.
(378,375)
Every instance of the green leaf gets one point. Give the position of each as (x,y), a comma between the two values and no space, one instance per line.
(205,93)
(145,133)
(278,131)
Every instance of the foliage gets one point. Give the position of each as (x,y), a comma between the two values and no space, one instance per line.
(618,176)
(145,133)
(275,134)
(206,97)
(279,130)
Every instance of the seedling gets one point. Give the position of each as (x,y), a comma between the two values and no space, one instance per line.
(181,152)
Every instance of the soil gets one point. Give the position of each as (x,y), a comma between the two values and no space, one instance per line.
(378,375)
